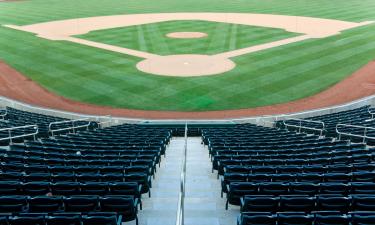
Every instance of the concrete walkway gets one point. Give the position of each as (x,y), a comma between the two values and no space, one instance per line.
(203,205)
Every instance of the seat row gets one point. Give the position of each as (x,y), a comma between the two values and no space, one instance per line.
(305,203)
(91,218)
(316,218)
(298,177)
(71,188)
(72,177)
(135,166)
(236,190)
(121,204)
(343,168)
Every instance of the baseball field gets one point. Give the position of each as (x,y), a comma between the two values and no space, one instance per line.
(237,54)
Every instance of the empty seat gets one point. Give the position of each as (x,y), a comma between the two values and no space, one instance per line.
(94,188)
(13,204)
(81,203)
(333,203)
(363,188)
(334,188)
(102,219)
(363,203)
(259,203)
(10,187)
(26,220)
(257,219)
(45,204)
(304,188)
(65,188)
(238,190)
(273,188)
(294,219)
(297,203)
(123,205)
(63,219)
(331,219)
(35,188)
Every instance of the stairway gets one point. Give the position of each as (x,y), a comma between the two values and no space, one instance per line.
(203,205)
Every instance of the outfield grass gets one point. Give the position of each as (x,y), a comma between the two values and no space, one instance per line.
(221,37)
(268,77)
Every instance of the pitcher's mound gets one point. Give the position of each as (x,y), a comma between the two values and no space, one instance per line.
(186,65)
(187,35)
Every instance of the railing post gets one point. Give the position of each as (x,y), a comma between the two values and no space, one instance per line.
(364,135)
(10,136)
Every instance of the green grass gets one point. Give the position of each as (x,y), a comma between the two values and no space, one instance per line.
(267,77)
(221,37)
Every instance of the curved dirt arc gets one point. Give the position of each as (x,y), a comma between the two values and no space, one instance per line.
(307,27)
(16,86)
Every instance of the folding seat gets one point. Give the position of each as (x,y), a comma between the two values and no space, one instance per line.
(273,188)
(257,178)
(86,169)
(142,179)
(81,203)
(13,167)
(36,169)
(45,204)
(13,204)
(297,203)
(257,219)
(112,177)
(294,218)
(289,169)
(337,177)
(88,177)
(123,205)
(63,219)
(303,188)
(339,168)
(65,188)
(263,170)
(331,202)
(41,177)
(231,177)
(4,220)
(65,177)
(11,176)
(363,188)
(363,176)
(10,187)
(363,203)
(283,178)
(94,188)
(363,218)
(334,188)
(112,169)
(314,169)
(35,188)
(259,203)
(364,167)
(26,219)
(61,169)
(236,190)
(327,218)
(100,219)
(310,177)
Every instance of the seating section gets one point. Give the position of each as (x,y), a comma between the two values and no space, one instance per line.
(283,177)
(101,171)
(360,116)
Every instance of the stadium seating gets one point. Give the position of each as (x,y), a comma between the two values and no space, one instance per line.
(283,177)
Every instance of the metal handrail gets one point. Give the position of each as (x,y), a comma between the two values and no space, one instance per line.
(72,127)
(4,115)
(181,196)
(305,127)
(101,123)
(10,137)
(365,130)
(371,112)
